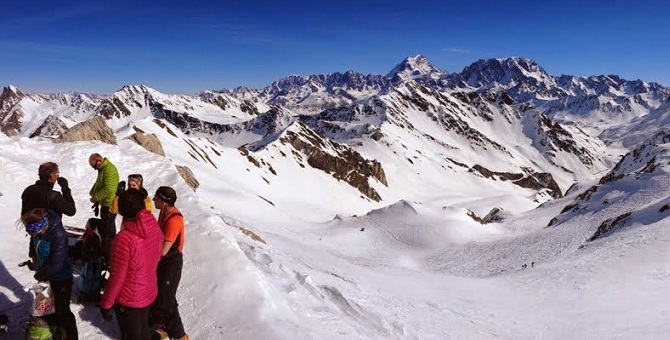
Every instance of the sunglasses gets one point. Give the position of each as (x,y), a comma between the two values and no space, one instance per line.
(95,164)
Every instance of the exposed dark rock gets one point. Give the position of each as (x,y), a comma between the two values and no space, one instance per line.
(609,225)
(554,137)
(532,180)
(52,127)
(149,142)
(10,114)
(348,165)
(253,235)
(495,215)
(114,108)
(188,176)
(93,129)
(474,216)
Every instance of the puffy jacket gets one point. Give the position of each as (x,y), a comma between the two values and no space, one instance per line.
(105,184)
(49,250)
(42,195)
(135,254)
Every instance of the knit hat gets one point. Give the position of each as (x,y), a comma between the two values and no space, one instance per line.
(167,194)
(136,178)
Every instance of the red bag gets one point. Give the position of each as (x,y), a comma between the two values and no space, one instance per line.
(44,302)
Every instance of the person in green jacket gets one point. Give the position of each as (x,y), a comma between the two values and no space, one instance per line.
(102,194)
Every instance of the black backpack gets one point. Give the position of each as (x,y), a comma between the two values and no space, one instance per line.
(91,246)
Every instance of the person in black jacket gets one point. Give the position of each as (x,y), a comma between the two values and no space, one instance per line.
(42,195)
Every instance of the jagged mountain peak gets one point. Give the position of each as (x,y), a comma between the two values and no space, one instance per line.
(614,86)
(136,90)
(506,72)
(416,67)
(11,90)
(349,79)
(312,94)
(240,92)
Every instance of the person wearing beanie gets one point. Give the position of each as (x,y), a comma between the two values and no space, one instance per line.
(132,286)
(165,310)
(135,181)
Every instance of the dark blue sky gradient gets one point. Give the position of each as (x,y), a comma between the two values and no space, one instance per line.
(189,46)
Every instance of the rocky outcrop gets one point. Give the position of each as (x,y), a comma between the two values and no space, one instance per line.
(10,114)
(495,215)
(530,180)
(52,127)
(344,164)
(609,225)
(90,130)
(148,141)
(188,176)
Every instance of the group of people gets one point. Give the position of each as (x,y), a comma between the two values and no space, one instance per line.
(144,259)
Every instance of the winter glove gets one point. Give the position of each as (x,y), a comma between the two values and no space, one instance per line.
(62,182)
(39,277)
(28,263)
(96,208)
(120,188)
(106,314)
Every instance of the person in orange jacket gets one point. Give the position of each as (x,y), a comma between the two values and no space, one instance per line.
(165,309)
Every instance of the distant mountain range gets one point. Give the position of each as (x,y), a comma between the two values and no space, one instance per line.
(500,120)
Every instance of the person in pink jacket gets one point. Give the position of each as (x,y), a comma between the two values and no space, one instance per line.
(132,285)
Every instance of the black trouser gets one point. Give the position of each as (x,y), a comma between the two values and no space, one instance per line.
(107,232)
(64,317)
(132,322)
(165,308)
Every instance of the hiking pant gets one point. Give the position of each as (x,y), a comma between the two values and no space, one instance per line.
(133,322)
(64,317)
(107,233)
(165,308)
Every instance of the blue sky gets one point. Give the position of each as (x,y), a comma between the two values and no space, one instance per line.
(189,46)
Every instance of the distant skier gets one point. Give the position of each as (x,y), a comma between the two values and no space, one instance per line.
(532,264)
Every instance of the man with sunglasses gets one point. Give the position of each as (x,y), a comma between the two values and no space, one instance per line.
(42,195)
(102,193)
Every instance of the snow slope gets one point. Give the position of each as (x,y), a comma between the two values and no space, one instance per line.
(410,270)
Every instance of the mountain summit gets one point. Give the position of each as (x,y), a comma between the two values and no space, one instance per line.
(417,68)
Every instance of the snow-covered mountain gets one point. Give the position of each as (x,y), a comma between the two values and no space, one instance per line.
(321,198)
(419,69)
(507,112)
